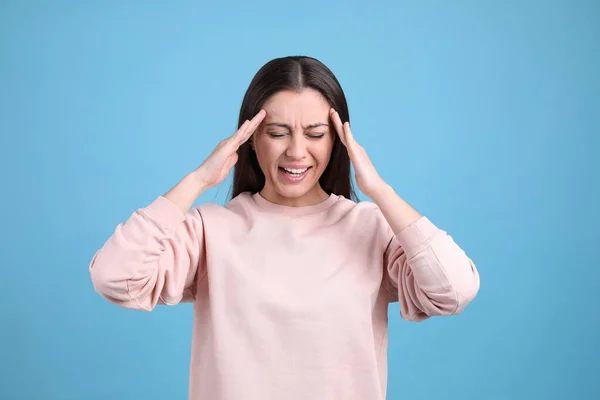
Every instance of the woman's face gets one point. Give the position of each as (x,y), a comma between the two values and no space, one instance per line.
(293,147)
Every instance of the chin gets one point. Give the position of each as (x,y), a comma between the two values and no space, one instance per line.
(293,192)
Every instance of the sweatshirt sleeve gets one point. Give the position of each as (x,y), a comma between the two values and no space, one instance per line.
(154,257)
(430,275)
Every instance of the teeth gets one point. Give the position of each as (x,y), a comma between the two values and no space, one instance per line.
(295,171)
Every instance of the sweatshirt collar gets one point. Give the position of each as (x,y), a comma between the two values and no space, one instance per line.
(294,211)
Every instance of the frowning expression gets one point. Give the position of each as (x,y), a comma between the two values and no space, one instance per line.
(293,146)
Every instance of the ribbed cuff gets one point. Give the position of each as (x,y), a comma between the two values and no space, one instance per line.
(416,236)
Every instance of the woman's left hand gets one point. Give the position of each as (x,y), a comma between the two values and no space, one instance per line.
(367,178)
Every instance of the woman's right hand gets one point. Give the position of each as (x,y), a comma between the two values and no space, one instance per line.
(214,169)
(217,165)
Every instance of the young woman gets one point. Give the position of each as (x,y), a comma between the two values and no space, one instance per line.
(291,280)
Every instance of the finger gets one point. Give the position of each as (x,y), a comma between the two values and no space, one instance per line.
(247,129)
(254,123)
(348,132)
(240,130)
(337,123)
(231,142)
(244,132)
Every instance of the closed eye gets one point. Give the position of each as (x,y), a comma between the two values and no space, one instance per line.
(311,136)
(276,134)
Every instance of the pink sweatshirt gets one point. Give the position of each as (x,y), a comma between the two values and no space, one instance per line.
(289,302)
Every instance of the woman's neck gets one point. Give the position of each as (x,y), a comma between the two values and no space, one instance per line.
(314,196)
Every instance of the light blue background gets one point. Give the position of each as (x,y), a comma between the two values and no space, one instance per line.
(484,115)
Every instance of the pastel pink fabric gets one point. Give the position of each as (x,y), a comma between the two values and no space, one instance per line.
(289,302)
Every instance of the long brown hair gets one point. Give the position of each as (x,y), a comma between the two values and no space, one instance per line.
(293,73)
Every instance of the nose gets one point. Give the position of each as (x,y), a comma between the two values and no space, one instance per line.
(296,147)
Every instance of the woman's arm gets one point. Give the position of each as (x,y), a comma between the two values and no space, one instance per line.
(152,258)
(430,274)
(155,256)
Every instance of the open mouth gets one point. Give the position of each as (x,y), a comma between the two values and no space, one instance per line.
(293,174)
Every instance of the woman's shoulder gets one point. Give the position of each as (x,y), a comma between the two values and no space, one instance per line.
(364,213)
(364,208)
(239,206)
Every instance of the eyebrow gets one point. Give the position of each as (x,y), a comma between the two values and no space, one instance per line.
(311,126)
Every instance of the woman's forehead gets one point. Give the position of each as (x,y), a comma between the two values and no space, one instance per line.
(306,107)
